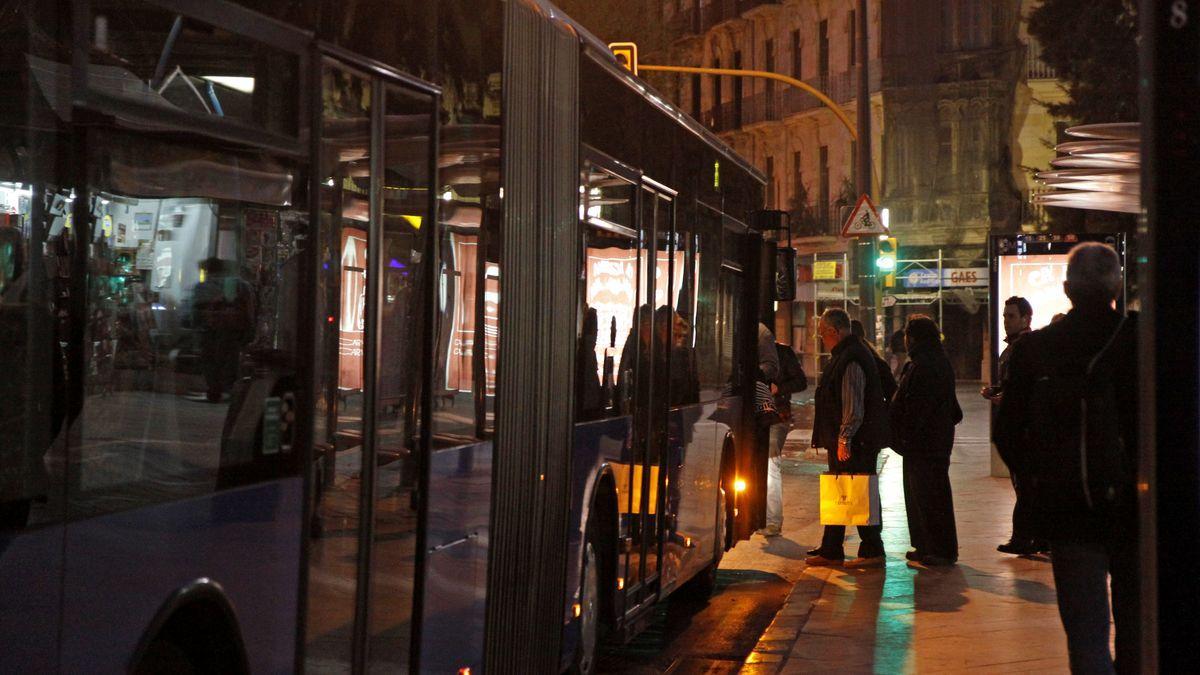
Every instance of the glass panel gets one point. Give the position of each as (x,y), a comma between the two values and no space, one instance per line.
(148,56)
(190,332)
(34,264)
(338,429)
(610,294)
(402,319)
(713,378)
(468,293)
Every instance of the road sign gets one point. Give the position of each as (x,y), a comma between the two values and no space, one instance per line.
(864,220)
(825,270)
(889,301)
(626,53)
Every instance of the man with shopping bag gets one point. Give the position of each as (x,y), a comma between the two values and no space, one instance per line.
(851,424)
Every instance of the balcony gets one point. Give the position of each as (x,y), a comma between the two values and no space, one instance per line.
(1035,67)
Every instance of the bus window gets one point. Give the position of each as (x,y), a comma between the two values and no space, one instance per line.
(468,287)
(710,323)
(341,338)
(402,317)
(191,324)
(609,298)
(175,65)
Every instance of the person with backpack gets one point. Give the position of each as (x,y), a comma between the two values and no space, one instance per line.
(886,379)
(1068,421)
(924,413)
(791,380)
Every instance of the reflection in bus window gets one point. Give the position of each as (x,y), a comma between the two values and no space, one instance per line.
(610,297)
(189,340)
(157,59)
(402,317)
(34,262)
(468,286)
(341,338)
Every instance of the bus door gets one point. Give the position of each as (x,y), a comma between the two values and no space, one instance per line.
(376,169)
(650,422)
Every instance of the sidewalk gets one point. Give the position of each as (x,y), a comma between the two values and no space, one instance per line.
(990,613)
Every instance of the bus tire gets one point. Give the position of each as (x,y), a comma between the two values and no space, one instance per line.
(164,656)
(586,651)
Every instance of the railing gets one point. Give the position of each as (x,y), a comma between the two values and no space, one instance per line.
(1035,67)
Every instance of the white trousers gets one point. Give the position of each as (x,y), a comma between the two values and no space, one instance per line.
(778,434)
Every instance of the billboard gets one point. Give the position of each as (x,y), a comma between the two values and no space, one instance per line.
(1037,278)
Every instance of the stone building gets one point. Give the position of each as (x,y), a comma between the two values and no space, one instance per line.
(958,126)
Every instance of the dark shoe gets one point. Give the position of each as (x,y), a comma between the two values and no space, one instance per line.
(914,555)
(871,561)
(813,551)
(1042,546)
(821,561)
(1018,547)
(937,561)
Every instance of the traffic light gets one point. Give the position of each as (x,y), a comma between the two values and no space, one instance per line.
(627,55)
(885,261)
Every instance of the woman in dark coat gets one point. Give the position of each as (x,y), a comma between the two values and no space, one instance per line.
(923,415)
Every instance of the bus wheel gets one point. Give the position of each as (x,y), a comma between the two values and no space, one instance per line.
(164,656)
(589,612)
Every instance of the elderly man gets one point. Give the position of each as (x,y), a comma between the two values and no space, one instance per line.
(1068,422)
(851,424)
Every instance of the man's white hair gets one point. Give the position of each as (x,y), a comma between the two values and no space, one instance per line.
(1094,270)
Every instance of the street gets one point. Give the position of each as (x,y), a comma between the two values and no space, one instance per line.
(771,614)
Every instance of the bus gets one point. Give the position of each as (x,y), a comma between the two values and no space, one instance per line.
(348,337)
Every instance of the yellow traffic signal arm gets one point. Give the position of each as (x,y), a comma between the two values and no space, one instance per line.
(837,110)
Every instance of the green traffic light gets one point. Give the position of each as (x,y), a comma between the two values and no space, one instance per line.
(885,263)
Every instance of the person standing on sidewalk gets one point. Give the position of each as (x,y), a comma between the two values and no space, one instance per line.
(852,425)
(791,381)
(923,415)
(1018,315)
(1069,422)
(887,381)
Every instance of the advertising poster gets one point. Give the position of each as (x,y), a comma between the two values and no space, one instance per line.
(1037,278)
(353,308)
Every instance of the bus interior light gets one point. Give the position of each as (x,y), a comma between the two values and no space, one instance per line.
(576,610)
(620,583)
(739,485)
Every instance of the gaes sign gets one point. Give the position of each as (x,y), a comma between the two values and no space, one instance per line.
(864,220)
(952,277)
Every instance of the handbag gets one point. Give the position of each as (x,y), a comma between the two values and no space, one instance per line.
(850,499)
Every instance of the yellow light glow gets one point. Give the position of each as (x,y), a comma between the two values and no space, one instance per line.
(687,542)
(576,609)
(415,221)
(739,485)
(464,671)
(621,584)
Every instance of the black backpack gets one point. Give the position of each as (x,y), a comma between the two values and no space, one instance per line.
(790,369)
(1081,461)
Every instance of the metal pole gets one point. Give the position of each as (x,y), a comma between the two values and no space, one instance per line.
(862,179)
(941,280)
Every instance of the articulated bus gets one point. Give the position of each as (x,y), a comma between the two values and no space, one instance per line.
(360,336)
